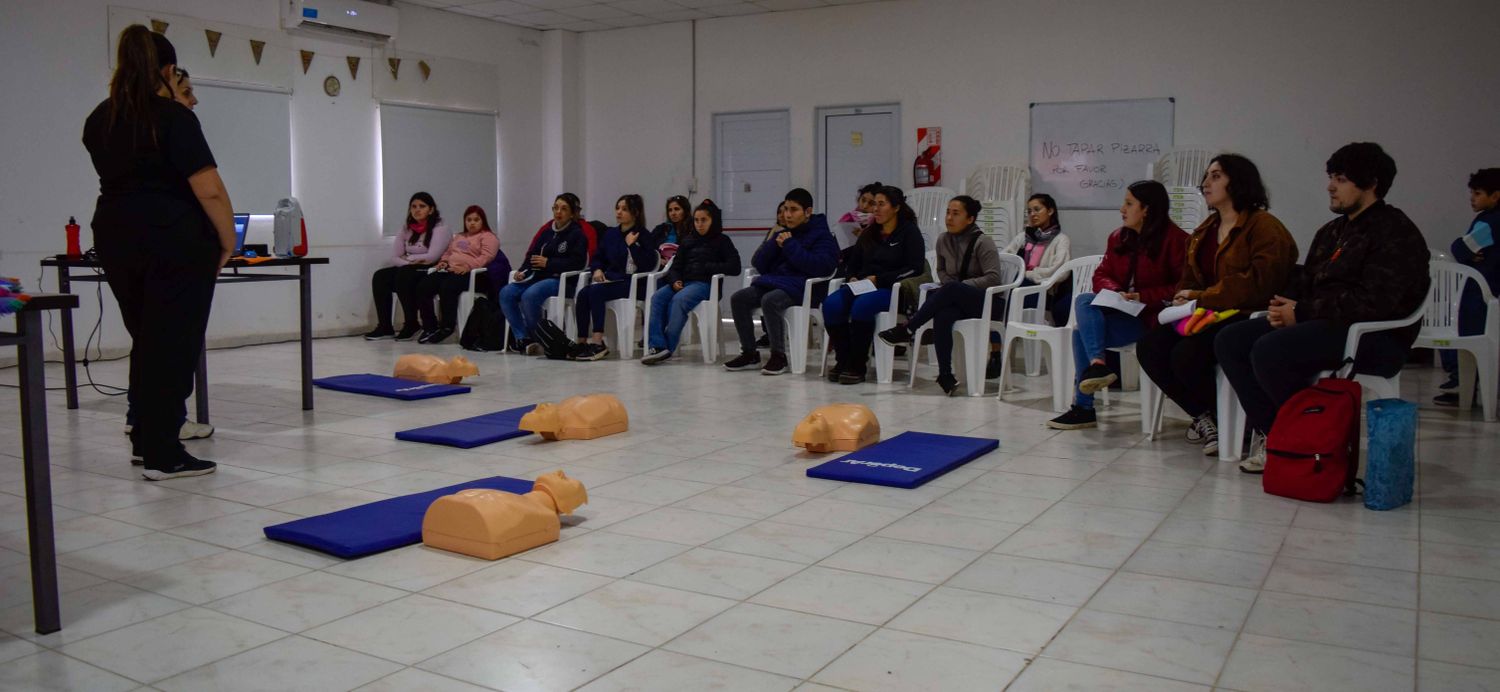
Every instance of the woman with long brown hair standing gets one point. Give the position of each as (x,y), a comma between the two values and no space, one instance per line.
(163,227)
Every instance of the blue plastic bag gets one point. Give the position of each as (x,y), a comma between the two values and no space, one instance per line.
(1391,468)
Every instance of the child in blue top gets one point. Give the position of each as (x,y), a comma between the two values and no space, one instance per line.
(1475,248)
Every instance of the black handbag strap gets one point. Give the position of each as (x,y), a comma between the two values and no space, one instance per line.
(963,266)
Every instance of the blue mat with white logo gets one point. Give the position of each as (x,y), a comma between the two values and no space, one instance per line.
(388,387)
(905,461)
(471,432)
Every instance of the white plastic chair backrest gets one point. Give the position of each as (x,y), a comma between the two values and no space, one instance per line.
(1002,222)
(1448,280)
(998,182)
(1083,278)
(1012,269)
(1182,167)
(930,204)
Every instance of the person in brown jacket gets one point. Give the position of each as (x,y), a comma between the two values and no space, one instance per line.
(1237,259)
(1367,265)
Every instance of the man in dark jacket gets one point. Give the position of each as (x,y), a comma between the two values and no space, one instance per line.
(1476,249)
(1367,265)
(785,261)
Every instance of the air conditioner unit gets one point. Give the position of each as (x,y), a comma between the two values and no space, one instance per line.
(358,18)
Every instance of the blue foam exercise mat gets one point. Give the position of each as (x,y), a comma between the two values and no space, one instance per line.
(471,432)
(389,387)
(905,461)
(377,526)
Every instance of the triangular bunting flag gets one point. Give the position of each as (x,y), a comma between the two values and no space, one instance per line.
(395,64)
(425,68)
(256,47)
(306,60)
(159,26)
(353,61)
(213,41)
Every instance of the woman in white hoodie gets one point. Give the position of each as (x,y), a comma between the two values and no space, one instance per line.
(1045,248)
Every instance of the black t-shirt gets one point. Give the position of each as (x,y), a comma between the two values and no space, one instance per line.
(142,179)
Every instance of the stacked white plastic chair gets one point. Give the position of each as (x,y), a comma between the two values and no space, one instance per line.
(1440,330)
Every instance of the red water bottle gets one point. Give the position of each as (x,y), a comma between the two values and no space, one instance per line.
(73,248)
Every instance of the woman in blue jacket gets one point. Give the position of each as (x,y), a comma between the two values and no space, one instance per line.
(624,251)
(700,255)
(890,250)
(803,250)
(561,246)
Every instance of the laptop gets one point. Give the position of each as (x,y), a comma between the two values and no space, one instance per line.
(241,223)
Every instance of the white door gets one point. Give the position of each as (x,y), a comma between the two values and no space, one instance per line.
(752,171)
(857,146)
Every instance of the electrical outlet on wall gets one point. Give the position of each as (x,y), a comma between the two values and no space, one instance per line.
(692,186)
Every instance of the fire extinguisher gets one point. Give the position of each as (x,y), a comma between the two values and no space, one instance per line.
(921,171)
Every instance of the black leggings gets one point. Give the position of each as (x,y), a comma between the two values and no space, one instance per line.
(949,303)
(1183,366)
(403,282)
(446,287)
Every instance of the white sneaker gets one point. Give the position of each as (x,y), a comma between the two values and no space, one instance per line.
(1255,461)
(194,431)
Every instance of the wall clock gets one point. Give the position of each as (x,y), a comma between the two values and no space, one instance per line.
(331,86)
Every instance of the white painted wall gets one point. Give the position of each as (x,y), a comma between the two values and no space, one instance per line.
(1282,81)
(59,66)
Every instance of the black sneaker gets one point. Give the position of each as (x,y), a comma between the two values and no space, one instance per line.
(834,372)
(898,335)
(744,361)
(656,356)
(1077,418)
(1449,399)
(185,467)
(593,352)
(851,377)
(1096,377)
(776,365)
(764,341)
(407,333)
(379,334)
(440,335)
(514,345)
(1451,384)
(426,336)
(949,384)
(992,368)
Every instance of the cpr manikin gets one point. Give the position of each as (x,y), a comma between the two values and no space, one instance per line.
(424,368)
(492,524)
(577,418)
(837,427)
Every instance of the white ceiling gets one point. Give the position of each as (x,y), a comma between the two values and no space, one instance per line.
(600,15)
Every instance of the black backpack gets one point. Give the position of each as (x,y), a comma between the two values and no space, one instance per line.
(555,343)
(485,328)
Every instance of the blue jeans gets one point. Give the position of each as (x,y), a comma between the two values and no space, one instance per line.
(842,306)
(522,304)
(670,310)
(1098,329)
(1471,314)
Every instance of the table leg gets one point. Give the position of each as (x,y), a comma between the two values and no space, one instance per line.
(70,365)
(200,386)
(38,473)
(304,288)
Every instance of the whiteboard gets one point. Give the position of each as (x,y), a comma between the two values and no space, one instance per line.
(450,154)
(250,134)
(1085,153)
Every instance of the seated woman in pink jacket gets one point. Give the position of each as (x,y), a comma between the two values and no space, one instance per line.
(473,249)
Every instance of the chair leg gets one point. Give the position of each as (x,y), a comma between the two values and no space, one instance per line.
(1231,421)
(1005,342)
(1151,403)
(975,352)
(1060,367)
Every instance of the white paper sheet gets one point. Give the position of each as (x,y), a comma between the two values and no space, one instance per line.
(1112,299)
(861,287)
(1172,313)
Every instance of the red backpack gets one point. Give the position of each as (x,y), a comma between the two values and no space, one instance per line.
(1312,451)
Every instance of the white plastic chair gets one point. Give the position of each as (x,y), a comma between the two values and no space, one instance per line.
(1182,167)
(799,320)
(706,315)
(1440,330)
(1230,422)
(972,336)
(930,204)
(619,314)
(466,299)
(1059,339)
(997,182)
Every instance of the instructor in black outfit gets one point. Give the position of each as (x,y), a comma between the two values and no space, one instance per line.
(163,227)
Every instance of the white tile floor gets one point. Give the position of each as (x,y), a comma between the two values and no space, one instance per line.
(708,560)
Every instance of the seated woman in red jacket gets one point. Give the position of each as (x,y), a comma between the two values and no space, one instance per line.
(1143,262)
